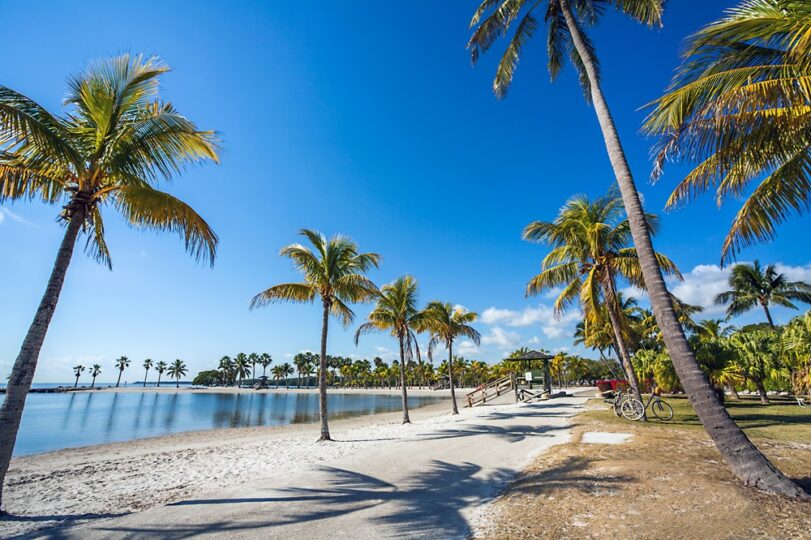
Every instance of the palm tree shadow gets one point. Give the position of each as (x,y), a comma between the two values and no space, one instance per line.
(514,433)
(572,473)
(427,504)
(60,522)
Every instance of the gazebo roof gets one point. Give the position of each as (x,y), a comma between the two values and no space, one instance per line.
(530,356)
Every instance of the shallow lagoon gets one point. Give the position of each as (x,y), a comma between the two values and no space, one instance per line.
(65,420)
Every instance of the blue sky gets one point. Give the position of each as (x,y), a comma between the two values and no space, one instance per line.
(342,118)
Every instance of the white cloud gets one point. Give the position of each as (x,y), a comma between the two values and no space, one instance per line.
(467,348)
(502,339)
(493,315)
(534,341)
(6,214)
(795,273)
(701,285)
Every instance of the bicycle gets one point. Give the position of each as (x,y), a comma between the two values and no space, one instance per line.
(633,409)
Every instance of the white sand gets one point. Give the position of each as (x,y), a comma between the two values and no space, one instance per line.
(601,437)
(81,485)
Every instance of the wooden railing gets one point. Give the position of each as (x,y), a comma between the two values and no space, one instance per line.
(491,390)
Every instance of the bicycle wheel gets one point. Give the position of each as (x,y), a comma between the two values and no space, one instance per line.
(632,409)
(662,410)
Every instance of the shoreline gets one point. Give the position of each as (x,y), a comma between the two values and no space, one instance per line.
(77,484)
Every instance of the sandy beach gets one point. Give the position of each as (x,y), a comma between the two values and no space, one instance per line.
(94,484)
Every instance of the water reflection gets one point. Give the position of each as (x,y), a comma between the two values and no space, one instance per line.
(53,421)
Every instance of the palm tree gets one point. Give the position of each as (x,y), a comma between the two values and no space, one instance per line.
(116,142)
(396,312)
(122,364)
(445,323)
(758,354)
(334,273)
(160,367)
(242,367)
(738,108)
(751,285)
(265,360)
(77,370)
(177,370)
(254,359)
(300,361)
(566,36)
(147,365)
(590,249)
(94,372)
(286,370)
(226,367)
(278,372)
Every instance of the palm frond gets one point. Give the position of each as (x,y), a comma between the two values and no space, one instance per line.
(285,292)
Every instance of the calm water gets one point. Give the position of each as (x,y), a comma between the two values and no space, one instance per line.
(54,421)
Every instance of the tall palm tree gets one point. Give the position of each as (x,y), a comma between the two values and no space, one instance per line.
(565,20)
(116,142)
(160,367)
(396,312)
(751,285)
(445,323)
(334,274)
(94,372)
(77,370)
(121,364)
(265,360)
(278,372)
(590,243)
(177,369)
(226,367)
(254,359)
(147,365)
(738,110)
(286,370)
(242,368)
(300,361)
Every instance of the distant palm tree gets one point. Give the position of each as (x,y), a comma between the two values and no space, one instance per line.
(713,329)
(117,141)
(94,372)
(227,369)
(254,359)
(445,323)
(591,247)
(77,370)
(122,364)
(147,365)
(265,360)
(565,22)
(738,110)
(334,274)
(242,367)
(278,372)
(286,370)
(177,370)
(752,285)
(160,367)
(396,312)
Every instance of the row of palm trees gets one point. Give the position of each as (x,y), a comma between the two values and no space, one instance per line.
(333,272)
(738,108)
(175,370)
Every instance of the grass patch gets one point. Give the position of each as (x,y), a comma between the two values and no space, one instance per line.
(782,420)
(668,481)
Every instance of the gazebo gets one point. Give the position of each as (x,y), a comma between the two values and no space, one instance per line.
(531,377)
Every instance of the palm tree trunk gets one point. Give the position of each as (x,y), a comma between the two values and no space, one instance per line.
(733,394)
(768,314)
(761,390)
(19,382)
(177,382)
(450,377)
(159,379)
(406,419)
(120,372)
(76,384)
(146,374)
(745,460)
(93,383)
(612,307)
(322,374)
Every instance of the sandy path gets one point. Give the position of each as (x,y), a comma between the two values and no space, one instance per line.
(380,481)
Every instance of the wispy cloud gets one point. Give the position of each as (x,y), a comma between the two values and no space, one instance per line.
(7,215)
